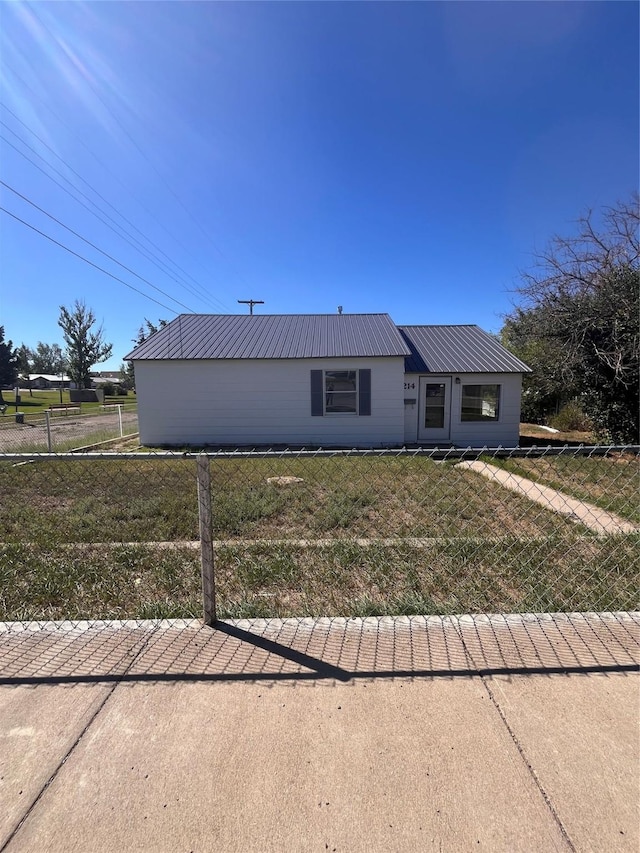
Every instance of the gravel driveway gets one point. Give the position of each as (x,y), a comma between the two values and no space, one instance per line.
(64,428)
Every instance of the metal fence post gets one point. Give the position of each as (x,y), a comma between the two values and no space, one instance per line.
(47,417)
(120,420)
(206,540)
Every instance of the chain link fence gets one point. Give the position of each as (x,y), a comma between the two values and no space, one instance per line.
(66,427)
(249,535)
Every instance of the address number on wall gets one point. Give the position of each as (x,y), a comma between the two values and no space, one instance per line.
(409,386)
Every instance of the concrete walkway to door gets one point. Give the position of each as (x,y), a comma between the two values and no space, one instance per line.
(457,733)
(593,517)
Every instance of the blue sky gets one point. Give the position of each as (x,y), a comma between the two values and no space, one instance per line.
(399,157)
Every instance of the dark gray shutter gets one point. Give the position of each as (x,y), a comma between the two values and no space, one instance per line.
(364,389)
(317,409)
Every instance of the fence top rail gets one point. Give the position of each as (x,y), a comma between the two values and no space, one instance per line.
(430,453)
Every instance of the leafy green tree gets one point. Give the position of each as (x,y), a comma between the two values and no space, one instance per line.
(147,329)
(24,360)
(577,326)
(85,347)
(127,375)
(48,358)
(607,340)
(551,383)
(24,364)
(127,380)
(8,364)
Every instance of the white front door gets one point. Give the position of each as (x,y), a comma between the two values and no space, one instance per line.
(434,414)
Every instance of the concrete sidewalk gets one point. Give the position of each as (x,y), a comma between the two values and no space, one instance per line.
(495,733)
(582,512)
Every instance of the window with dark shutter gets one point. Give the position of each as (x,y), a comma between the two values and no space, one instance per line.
(317,393)
(340,392)
(364,392)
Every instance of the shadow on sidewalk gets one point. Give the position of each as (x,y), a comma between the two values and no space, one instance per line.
(318,650)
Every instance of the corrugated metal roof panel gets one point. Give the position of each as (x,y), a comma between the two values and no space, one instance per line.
(210,336)
(457,349)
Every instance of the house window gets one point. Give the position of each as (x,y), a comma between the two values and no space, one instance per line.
(480,403)
(341,392)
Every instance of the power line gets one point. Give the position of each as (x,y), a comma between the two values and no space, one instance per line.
(86,260)
(86,207)
(93,189)
(97,248)
(136,244)
(146,158)
(114,175)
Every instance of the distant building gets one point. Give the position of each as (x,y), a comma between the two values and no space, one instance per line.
(45,381)
(110,375)
(102,377)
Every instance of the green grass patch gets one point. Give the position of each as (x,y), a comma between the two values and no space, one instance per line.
(39,401)
(77,500)
(93,582)
(610,482)
(275,580)
(491,550)
(366,496)
(138,500)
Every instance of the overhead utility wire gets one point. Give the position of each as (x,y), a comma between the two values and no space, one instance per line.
(104,166)
(94,190)
(139,247)
(86,260)
(132,242)
(152,164)
(97,248)
(99,218)
(139,149)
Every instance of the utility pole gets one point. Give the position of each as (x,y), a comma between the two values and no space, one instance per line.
(251,303)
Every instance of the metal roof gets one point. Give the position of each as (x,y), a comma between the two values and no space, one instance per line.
(457,349)
(50,377)
(210,336)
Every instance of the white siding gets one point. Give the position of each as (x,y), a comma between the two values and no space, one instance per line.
(505,431)
(256,402)
(411,393)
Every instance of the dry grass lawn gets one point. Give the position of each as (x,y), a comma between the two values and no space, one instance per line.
(491,550)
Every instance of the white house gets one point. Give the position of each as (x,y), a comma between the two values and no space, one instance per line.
(45,381)
(329,380)
(461,386)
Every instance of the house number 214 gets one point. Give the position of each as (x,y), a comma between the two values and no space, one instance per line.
(409,386)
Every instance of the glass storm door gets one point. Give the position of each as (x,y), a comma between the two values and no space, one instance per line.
(435,409)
